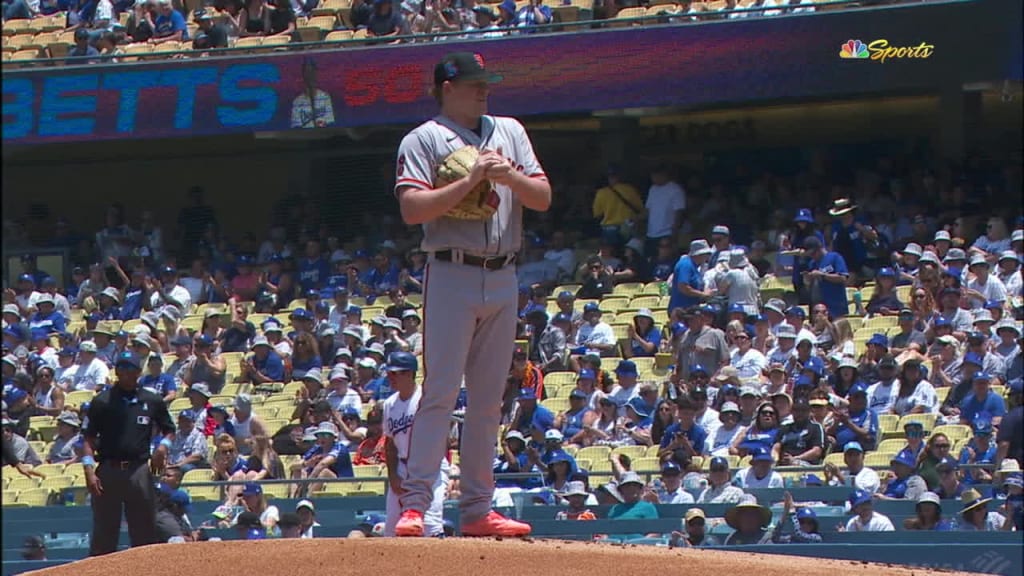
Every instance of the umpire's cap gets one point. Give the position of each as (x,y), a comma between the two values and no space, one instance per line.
(467,66)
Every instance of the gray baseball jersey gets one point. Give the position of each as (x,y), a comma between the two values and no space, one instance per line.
(418,156)
(469,313)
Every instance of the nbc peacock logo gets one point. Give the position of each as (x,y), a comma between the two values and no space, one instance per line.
(853,49)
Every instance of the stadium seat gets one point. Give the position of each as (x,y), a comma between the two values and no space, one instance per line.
(75,470)
(878,459)
(594,453)
(610,363)
(371,471)
(197,475)
(889,423)
(179,404)
(24,55)
(614,304)
(56,483)
(556,405)
(891,446)
(339,35)
(274,44)
(600,467)
(629,14)
(627,289)
(34,497)
(646,301)
(49,470)
(646,463)
(22,483)
(634,452)
(574,288)
(955,432)
(928,420)
(279,491)
(835,458)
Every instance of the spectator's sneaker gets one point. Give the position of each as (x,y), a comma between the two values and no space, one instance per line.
(495,524)
(410,524)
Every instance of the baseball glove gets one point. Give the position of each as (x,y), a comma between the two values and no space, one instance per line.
(481,202)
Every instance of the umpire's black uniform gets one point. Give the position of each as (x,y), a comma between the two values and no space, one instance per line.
(120,429)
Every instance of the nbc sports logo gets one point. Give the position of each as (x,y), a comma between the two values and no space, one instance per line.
(853,49)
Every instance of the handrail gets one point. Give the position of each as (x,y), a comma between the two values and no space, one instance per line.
(405,40)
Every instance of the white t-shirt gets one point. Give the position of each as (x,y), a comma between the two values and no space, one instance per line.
(599,333)
(877,523)
(398,416)
(923,395)
(993,289)
(623,395)
(341,401)
(882,395)
(746,478)
(194,287)
(750,364)
(65,377)
(90,376)
(179,293)
(663,201)
(867,480)
(719,442)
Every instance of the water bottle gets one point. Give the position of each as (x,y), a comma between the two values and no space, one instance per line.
(68,497)
(663,288)
(858,302)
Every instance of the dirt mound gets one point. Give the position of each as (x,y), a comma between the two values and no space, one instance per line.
(450,557)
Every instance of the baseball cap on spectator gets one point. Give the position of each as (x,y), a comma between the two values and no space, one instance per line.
(637,404)
(853,446)
(379,320)
(671,468)
(69,418)
(630,478)
(182,340)
(1014,479)
(879,339)
(252,489)
(574,488)
(342,353)
(803,381)
(260,341)
(973,358)
(858,388)
(200,388)
(796,311)
(410,313)
(904,458)
(67,352)
(982,377)
(698,369)
(527,394)
(626,368)
(353,331)
(554,435)
(804,215)
(812,243)
(577,393)
(719,464)
(204,340)
(749,391)
(309,434)
(327,428)
(89,347)
(243,402)
(127,360)
(586,374)
(906,313)
(816,365)
(976,337)
(305,504)
(1015,386)
(762,454)
(858,497)
(188,415)
(785,331)
(947,463)
(339,372)
(515,435)
(111,293)
(993,304)
(592,307)
(955,255)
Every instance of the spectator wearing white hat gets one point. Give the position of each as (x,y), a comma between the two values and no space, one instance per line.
(1008,272)
(983,286)
(411,331)
(341,395)
(263,366)
(62,450)
(92,373)
(246,423)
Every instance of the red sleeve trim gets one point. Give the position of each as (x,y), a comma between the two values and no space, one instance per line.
(538,175)
(413,182)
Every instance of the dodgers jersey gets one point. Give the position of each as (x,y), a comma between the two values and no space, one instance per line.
(423,149)
(398,416)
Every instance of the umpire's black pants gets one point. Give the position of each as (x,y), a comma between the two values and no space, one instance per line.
(127,490)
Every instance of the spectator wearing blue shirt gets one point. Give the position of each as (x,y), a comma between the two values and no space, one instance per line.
(334,461)
(979,450)
(380,279)
(847,234)
(46,316)
(534,14)
(857,423)
(981,400)
(313,270)
(265,364)
(158,381)
(135,294)
(514,459)
(644,335)
(532,417)
(169,25)
(826,277)
(687,288)
(685,433)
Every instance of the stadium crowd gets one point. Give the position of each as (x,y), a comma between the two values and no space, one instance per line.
(648,343)
(101,29)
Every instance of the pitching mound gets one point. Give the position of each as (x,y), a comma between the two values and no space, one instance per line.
(451,557)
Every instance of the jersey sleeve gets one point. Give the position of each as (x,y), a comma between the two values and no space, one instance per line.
(526,156)
(416,164)
(384,413)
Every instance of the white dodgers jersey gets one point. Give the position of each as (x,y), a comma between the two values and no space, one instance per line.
(423,149)
(398,416)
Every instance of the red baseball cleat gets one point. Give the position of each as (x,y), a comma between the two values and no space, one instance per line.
(410,524)
(495,524)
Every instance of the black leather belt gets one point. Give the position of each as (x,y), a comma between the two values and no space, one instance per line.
(487,263)
(125,464)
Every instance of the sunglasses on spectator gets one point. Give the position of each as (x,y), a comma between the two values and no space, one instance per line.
(741,337)
(942,446)
(766,413)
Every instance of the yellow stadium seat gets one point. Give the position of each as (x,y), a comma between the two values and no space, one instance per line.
(955,432)
(734,462)
(75,470)
(891,446)
(650,289)
(613,304)
(889,423)
(56,483)
(600,467)
(197,475)
(649,302)
(634,452)
(556,405)
(928,420)
(621,331)
(205,493)
(878,459)
(835,458)
(231,390)
(594,453)
(10,498)
(279,491)
(556,391)
(275,43)
(179,404)
(644,364)
(627,288)
(22,483)
(49,470)
(371,471)
(610,363)
(646,463)
(574,288)
(34,497)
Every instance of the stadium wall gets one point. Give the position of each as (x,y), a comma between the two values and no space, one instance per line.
(933,46)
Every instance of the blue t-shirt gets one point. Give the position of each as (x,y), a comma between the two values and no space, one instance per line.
(313,273)
(272,366)
(653,336)
(132,307)
(306,365)
(502,467)
(686,273)
(574,423)
(52,322)
(380,387)
(381,282)
(971,407)
(342,466)
(169,24)
(980,457)
(162,384)
(542,419)
(831,294)
(867,419)
(696,435)
(755,439)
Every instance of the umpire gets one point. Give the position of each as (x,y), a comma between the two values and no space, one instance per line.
(118,467)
